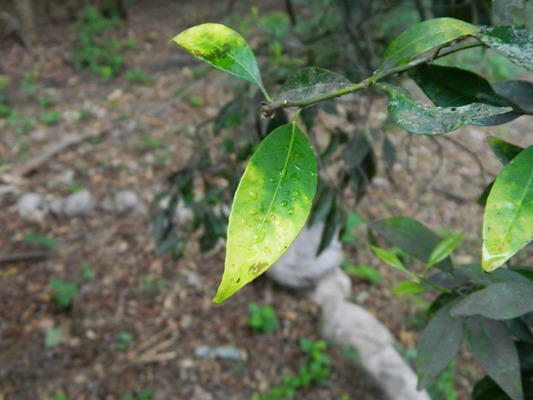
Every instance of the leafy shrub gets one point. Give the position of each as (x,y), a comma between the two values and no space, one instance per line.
(262,318)
(274,196)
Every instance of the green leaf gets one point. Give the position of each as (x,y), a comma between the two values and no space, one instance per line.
(519,92)
(389,258)
(411,236)
(438,345)
(223,48)
(311,83)
(504,300)
(270,207)
(505,151)
(516,44)
(408,287)
(508,219)
(444,249)
(494,349)
(423,37)
(452,87)
(486,388)
(423,120)
(53,337)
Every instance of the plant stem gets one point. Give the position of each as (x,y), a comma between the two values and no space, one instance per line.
(378,75)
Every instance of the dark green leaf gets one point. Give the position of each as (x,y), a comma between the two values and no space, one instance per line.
(423,37)
(229,116)
(503,300)
(482,199)
(389,153)
(476,274)
(438,345)
(487,389)
(514,43)
(519,92)
(325,200)
(508,219)
(270,207)
(453,87)
(411,236)
(494,349)
(505,151)
(311,83)
(331,225)
(423,120)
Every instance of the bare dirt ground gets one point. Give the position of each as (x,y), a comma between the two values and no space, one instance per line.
(164,305)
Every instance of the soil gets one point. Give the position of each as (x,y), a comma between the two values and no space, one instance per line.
(139,318)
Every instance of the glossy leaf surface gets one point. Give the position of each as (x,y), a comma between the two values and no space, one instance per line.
(444,249)
(508,219)
(408,287)
(495,351)
(423,120)
(223,48)
(270,207)
(519,92)
(423,37)
(311,83)
(411,236)
(516,44)
(451,87)
(438,345)
(504,300)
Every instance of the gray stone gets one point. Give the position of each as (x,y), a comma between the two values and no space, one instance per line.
(299,267)
(219,352)
(334,286)
(127,202)
(30,206)
(56,206)
(348,324)
(79,204)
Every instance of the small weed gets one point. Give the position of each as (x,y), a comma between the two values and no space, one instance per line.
(130,44)
(150,283)
(148,143)
(316,369)
(367,272)
(444,387)
(86,271)
(102,57)
(29,84)
(45,101)
(61,396)
(51,117)
(195,101)
(262,318)
(81,115)
(137,75)
(63,292)
(40,240)
(74,188)
(146,394)
(124,340)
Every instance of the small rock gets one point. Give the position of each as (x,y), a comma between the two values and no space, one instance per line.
(334,286)
(349,324)
(201,394)
(30,206)
(79,204)
(127,202)
(219,352)
(55,206)
(299,267)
